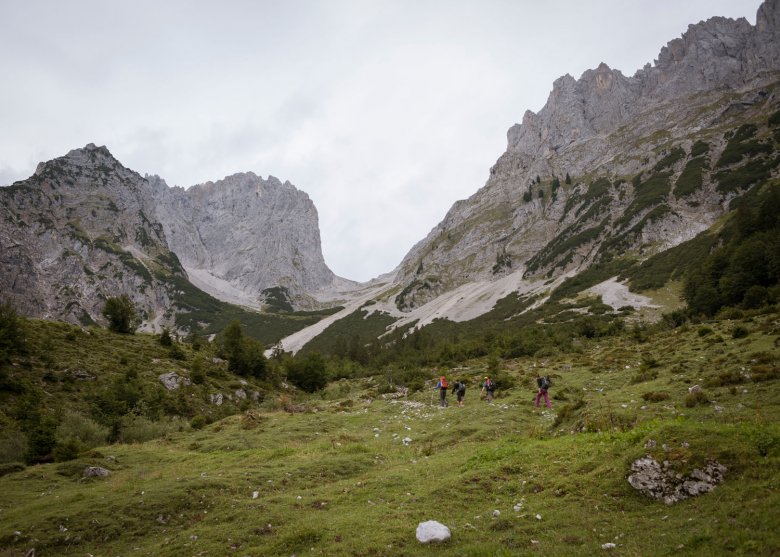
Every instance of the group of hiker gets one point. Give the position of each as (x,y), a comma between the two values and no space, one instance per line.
(488,387)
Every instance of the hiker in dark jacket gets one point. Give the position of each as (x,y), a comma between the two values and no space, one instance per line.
(459,389)
(543,383)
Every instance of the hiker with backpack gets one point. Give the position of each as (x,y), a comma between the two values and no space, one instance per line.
(459,389)
(543,383)
(488,387)
(442,386)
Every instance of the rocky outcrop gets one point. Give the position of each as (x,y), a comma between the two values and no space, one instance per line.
(80,230)
(248,234)
(613,164)
(660,481)
(84,228)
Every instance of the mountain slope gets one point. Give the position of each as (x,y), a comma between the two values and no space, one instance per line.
(85,228)
(645,158)
(613,173)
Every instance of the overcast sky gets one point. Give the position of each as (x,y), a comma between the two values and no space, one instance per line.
(384,112)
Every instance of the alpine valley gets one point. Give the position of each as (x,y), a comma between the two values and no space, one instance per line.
(626,246)
(618,174)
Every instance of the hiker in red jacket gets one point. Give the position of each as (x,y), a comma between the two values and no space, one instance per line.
(442,386)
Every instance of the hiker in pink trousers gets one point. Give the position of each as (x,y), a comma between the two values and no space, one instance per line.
(544,383)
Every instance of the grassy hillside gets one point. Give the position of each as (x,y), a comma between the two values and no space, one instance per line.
(68,388)
(331,475)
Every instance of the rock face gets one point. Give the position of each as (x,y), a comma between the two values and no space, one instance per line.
(644,157)
(247,233)
(84,228)
(659,481)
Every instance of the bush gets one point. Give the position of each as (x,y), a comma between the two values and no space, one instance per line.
(696,398)
(80,432)
(121,314)
(199,422)
(308,372)
(11,332)
(653,396)
(176,352)
(644,373)
(165,338)
(739,332)
(197,373)
(704,331)
(244,355)
(13,445)
(138,429)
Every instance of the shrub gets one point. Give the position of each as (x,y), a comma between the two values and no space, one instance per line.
(176,352)
(165,338)
(80,432)
(764,372)
(644,373)
(11,332)
(197,373)
(121,314)
(725,378)
(653,396)
(696,398)
(13,445)
(739,332)
(308,372)
(138,429)
(198,422)
(704,331)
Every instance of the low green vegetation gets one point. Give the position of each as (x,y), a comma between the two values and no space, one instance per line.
(330,473)
(745,269)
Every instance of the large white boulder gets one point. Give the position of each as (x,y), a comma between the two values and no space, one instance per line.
(432,531)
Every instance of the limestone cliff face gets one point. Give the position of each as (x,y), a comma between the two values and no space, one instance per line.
(85,228)
(82,229)
(647,158)
(251,233)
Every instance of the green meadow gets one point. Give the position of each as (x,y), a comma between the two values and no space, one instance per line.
(329,473)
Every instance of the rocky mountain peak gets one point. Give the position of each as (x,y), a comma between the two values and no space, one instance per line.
(624,141)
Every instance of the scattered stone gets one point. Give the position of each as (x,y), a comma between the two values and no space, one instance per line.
(432,531)
(216,398)
(609,545)
(96,472)
(534,542)
(685,445)
(81,375)
(496,513)
(659,481)
(173,381)
(240,394)
(407,441)
(651,444)
(538,517)
(255,494)
(695,389)
(218,361)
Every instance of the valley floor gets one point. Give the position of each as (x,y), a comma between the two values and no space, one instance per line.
(353,472)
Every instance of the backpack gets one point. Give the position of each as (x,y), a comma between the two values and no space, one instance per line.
(489,385)
(459,387)
(443,382)
(544,383)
